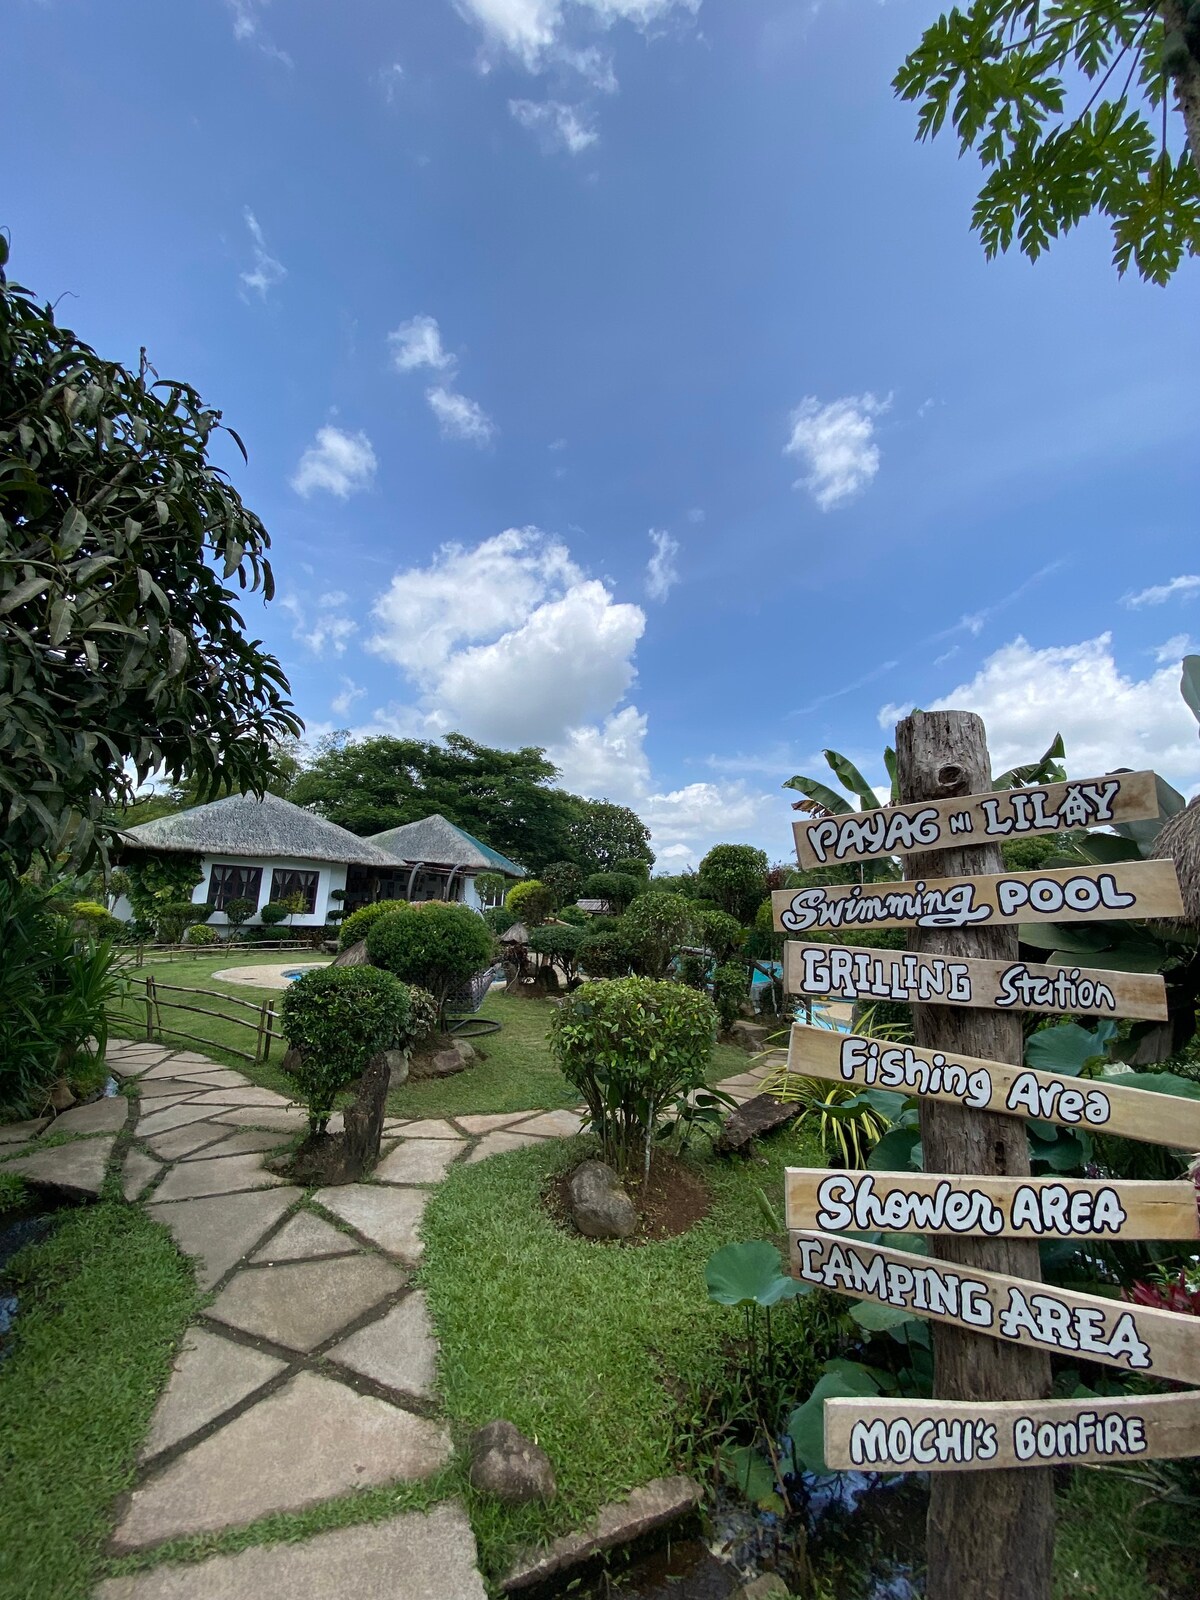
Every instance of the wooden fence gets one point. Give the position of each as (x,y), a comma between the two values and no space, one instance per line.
(262,1027)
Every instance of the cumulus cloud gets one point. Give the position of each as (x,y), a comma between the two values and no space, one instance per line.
(558,126)
(339,462)
(1183,588)
(661,572)
(836,443)
(538,33)
(458,417)
(266,270)
(323,628)
(418,343)
(1107,718)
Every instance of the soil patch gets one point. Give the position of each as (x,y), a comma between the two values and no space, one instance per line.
(675,1200)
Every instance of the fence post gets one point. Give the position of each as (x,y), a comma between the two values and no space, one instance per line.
(259,1032)
(149,1011)
(270,1009)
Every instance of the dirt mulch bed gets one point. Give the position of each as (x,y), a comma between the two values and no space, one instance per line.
(675,1200)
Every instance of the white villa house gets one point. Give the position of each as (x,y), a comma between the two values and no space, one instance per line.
(269,849)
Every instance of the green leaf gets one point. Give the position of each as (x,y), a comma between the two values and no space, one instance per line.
(23,593)
(822,798)
(878,1319)
(806,1425)
(1067,1048)
(750,1472)
(749,1274)
(1157,1083)
(847,773)
(896,1151)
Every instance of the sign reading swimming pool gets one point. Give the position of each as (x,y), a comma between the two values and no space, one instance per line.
(976,819)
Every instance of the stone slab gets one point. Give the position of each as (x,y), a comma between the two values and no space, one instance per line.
(222,1229)
(418,1555)
(22,1132)
(655,1504)
(275,1117)
(418,1161)
(243,1097)
(312,1440)
(216,1078)
(169,1067)
(154,1096)
(244,1141)
(178,1116)
(431,1128)
(398,1350)
(301,1304)
(554,1125)
(138,1171)
(487,1122)
(210,1376)
(224,1175)
(75,1170)
(106,1115)
(304,1237)
(387,1217)
(182,1141)
(131,1064)
(503,1140)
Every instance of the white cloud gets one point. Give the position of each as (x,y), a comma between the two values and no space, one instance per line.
(339,462)
(390,79)
(330,629)
(1186,587)
(836,442)
(1174,649)
(266,271)
(536,32)
(458,417)
(345,698)
(696,514)
(1106,718)
(558,126)
(661,572)
(418,343)
(248,29)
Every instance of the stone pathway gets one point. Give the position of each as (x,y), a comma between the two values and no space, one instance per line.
(311,1372)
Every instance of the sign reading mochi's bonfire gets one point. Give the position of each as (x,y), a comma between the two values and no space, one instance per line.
(984,1212)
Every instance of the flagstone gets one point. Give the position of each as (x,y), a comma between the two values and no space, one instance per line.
(211,1375)
(250,1096)
(500,1142)
(303,1237)
(22,1132)
(217,1078)
(414,1556)
(221,1229)
(74,1169)
(418,1161)
(287,1121)
(264,1461)
(301,1304)
(431,1128)
(169,1067)
(105,1115)
(398,1350)
(386,1216)
(163,1089)
(137,1172)
(152,1122)
(182,1141)
(554,1124)
(487,1122)
(238,1143)
(221,1176)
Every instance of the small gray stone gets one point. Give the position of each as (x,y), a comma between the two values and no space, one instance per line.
(106,1115)
(508,1465)
(398,1351)
(69,1169)
(600,1208)
(62,1097)
(397,1065)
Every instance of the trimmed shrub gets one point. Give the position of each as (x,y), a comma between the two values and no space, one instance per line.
(735,875)
(564,881)
(354,927)
(604,954)
(574,916)
(633,867)
(173,917)
(655,927)
(633,1049)
(499,919)
(274,912)
(559,943)
(730,986)
(336,1019)
(530,902)
(490,886)
(203,933)
(238,913)
(95,920)
(693,970)
(722,934)
(618,888)
(437,945)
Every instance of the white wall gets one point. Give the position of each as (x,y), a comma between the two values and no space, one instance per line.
(332,875)
(470,895)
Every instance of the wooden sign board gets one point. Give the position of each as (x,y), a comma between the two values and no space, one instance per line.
(976,819)
(1160,1344)
(1128,889)
(963,1436)
(1097,1105)
(971,1206)
(847,972)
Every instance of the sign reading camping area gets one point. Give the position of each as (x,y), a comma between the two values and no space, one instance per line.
(974,1206)
(1129,889)
(961,1435)
(1161,1344)
(976,819)
(1097,1105)
(847,972)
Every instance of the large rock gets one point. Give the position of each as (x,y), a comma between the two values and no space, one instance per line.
(748,1036)
(510,1466)
(751,1120)
(600,1207)
(455,1055)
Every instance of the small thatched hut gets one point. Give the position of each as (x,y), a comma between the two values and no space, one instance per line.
(1180,839)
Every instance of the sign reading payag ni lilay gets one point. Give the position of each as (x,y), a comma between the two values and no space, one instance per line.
(1131,889)
(847,972)
(1098,1105)
(976,819)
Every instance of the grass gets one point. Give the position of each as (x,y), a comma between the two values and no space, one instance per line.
(1108,1550)
(103,1303)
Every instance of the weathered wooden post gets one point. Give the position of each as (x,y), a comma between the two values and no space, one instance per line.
(990,1534)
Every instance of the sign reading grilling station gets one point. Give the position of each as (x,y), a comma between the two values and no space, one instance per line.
(1129,889)
(976,819)
(846,972)
(1098,1105)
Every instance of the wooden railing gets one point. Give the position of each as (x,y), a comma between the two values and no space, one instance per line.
(262,1027)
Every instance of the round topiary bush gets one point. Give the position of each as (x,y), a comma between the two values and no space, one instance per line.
(604,953)
(202,933)
(559,943)
(436,945)
(336,1019)
(730,986)
(274,912)
(530,902)
(354,927)
(656,926)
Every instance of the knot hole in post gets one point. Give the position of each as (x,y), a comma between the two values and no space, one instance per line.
(952,779)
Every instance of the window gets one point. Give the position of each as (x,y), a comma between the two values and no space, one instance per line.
(286,882)
(234,883)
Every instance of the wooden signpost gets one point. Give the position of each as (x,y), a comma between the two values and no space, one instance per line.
(997,1208)
(1006,814)
(846,972)
(1097,1105)
(1126,889)
(958,1436)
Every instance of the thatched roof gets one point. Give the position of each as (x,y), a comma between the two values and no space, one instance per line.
(1180,839)
(265,829)
(436,842)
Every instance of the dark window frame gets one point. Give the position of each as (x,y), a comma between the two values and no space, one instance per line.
(281,890)
(243,875)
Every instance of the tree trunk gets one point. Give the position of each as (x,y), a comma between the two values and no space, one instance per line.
(1187,83)
(989,1533)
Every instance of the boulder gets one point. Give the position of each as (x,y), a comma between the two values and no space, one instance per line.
(600,1208)
(508,1465)
(354,955)
(62,1096)
(450,1056)
(762,1114)
(748,1036)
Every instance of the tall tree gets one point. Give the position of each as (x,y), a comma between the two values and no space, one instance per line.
(604,835)
(1074,107)
(121,650)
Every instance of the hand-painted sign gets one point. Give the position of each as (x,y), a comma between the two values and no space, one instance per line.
(972,1206)
(1160,1344)
(845,972)
(1072,894)
(976,819)
(962,1435)
(1097,1105)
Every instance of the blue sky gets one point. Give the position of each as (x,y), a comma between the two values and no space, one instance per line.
(620,376)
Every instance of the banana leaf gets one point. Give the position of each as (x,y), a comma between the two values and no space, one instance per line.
(821,799)
(847,773)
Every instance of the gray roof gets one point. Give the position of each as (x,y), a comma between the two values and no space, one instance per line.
(440,843)
(242,825)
